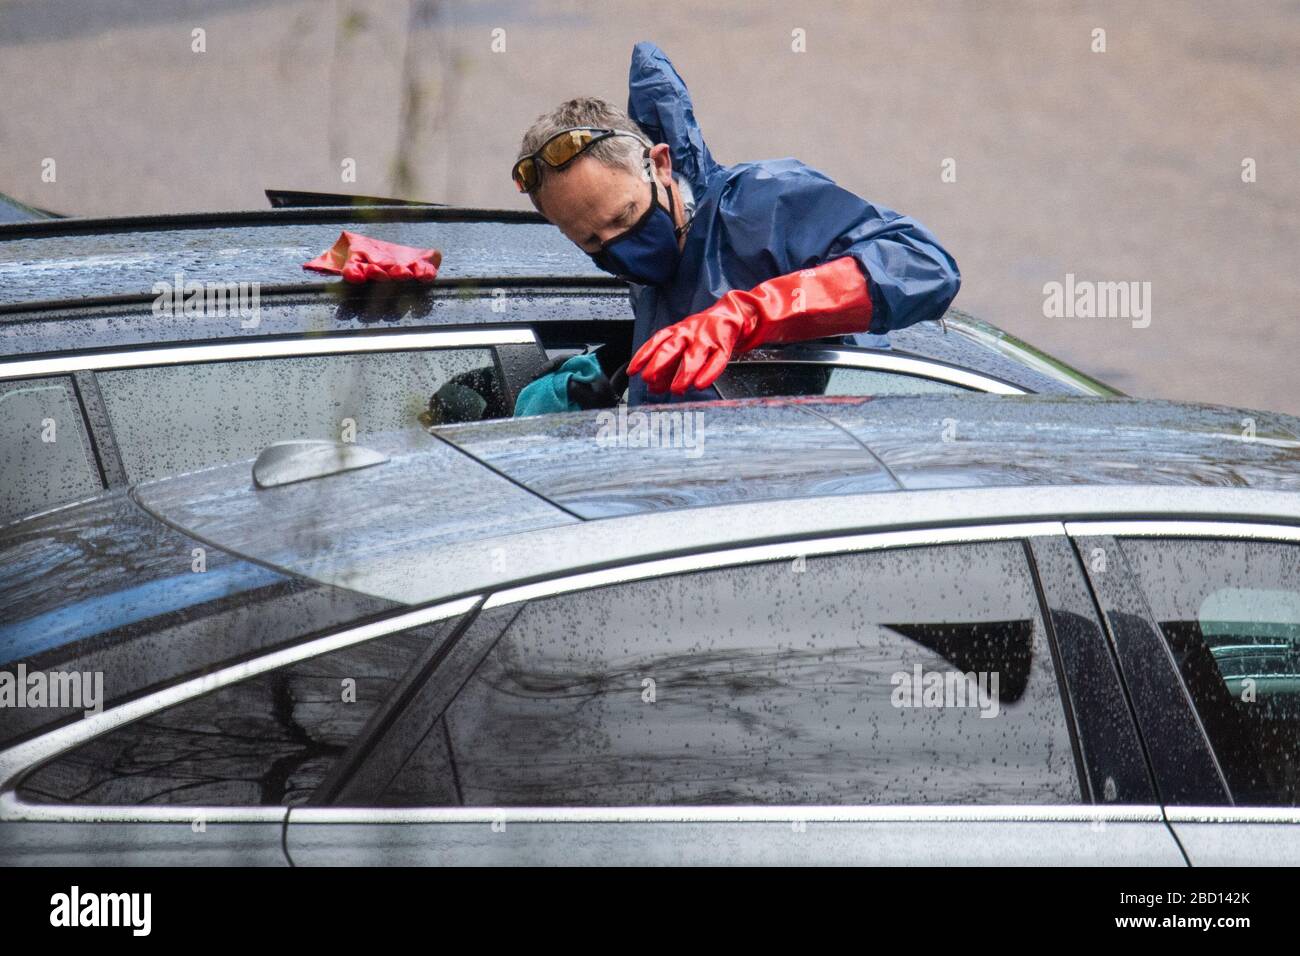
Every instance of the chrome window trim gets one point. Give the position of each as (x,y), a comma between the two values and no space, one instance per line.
(1279,815)
(267,349)
(887,362)
(407,577)
(23,757)
(857,813)
(786,550)
(1177,528)
(13,810)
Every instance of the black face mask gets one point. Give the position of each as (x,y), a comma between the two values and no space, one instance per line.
(646,253)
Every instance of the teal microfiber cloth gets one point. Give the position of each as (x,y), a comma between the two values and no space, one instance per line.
(550,393)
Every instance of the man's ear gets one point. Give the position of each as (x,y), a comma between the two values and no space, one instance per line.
(662,162)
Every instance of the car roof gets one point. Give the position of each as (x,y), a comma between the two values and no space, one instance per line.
(484,479)
(474,487)
(594,467)
(95,258)
(75,285)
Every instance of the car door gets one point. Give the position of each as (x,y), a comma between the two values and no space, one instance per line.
(805,703)
(1207,618)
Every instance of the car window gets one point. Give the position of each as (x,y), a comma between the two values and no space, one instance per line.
(1230,613)
(764,379)
(171,419)
(46,457)
(270,740)
(909,676)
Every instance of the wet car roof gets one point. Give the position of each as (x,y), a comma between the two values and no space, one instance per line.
(550,469)
(120,325)
(388,529)
(427,495)
(791,448)
(85,258)
(483,479)
(88,284)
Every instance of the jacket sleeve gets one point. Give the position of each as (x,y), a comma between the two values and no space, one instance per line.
(790,217)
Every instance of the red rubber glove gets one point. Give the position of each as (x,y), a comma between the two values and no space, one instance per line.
(359,258)
(830,299)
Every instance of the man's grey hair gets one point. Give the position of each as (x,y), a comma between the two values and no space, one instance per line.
(616,152)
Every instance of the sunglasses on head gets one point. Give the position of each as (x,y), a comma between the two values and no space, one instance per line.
(560,150)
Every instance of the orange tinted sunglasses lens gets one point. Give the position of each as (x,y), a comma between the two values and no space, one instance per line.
(526,174)
(560,149)
(555,152)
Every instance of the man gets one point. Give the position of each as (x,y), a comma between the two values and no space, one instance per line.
(722,259)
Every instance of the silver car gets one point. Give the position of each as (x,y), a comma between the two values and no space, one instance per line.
(952,629)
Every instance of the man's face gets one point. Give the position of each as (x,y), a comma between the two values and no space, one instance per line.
(591,203)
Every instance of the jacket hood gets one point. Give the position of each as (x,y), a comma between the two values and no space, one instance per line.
(661,105)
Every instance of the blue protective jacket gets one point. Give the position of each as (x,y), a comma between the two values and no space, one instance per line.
(755,221)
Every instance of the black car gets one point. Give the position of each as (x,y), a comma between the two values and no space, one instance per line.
(126,356)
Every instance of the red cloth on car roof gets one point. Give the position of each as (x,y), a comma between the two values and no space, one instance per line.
(360,258)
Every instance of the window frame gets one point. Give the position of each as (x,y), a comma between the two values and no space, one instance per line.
(1195,747)
(443,685)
